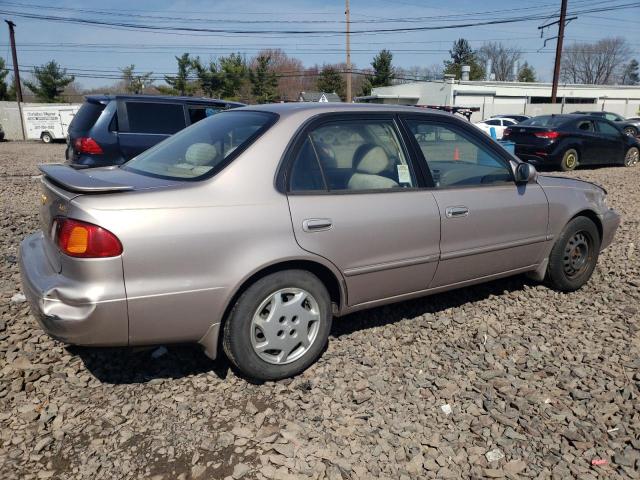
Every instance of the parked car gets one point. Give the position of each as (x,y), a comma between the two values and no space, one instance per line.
(253,228)
(566,141)
(498,124)
(111,129)
(1,134)
(517,118)
(630,126)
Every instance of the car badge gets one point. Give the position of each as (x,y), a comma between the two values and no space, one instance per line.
(43,199)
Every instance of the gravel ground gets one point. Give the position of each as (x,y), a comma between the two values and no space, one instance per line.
(507,379)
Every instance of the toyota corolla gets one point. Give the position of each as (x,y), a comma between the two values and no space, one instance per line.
(249,231)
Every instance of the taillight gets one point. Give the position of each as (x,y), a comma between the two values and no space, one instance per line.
(87,145)
(506,133)
(552,135)
(85,240)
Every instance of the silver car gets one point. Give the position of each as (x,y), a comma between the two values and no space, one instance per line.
(249,231)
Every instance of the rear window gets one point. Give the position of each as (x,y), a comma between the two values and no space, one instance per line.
(86,116)
(544,121)
(164,118)
(204,148)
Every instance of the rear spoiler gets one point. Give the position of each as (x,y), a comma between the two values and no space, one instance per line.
(79,181)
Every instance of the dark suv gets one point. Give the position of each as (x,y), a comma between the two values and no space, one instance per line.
(112,129)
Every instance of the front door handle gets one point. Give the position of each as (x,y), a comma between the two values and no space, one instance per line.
(460,211)
(316,224)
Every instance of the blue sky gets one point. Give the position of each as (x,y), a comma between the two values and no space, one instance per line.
(106,49)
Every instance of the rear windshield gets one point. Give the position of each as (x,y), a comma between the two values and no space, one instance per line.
(204,148)
(544,121)
(86,116)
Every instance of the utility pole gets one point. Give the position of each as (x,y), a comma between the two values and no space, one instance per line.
(556,68)
(347,12)
(16,72)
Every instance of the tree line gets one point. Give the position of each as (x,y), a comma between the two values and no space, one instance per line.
(272,75)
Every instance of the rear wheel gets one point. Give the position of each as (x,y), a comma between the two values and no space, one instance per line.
(46,137)
(279,325)
(574,255)
(631,131)
(631,157)
(569,160)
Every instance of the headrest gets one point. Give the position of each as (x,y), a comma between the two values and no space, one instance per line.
(371,159)
(201,154)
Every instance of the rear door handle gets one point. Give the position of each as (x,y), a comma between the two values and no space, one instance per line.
(452,212)
(316,224)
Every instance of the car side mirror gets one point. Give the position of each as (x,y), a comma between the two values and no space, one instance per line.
(525,173)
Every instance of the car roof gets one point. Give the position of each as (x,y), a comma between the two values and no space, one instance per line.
(159,99)
(309,109)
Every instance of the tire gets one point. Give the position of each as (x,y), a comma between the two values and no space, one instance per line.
(248,331)
(631,157)
(631,131)
(569,160)
(574,255)
(46,137)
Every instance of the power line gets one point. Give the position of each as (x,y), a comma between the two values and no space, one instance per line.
(156,28)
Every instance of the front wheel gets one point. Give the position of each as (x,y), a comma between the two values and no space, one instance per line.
(631,157)
(279,325)
(569,160)
(46,137)
(574,255)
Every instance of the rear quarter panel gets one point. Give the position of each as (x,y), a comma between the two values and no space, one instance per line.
(187,250)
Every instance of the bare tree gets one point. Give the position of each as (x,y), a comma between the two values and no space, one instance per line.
(502,57)
(598,63)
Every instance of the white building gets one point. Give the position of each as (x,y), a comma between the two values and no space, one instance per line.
(511,97)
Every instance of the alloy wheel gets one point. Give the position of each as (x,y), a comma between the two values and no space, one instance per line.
(631,157)
(285,326)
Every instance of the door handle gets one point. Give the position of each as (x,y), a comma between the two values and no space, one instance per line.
(316,224)
(452,212)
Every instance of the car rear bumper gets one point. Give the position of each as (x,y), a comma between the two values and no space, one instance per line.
(89,309)
(610,222)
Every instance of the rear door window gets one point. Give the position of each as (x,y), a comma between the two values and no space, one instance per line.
(160,118)
(607,128)
(200,112)
(352,155)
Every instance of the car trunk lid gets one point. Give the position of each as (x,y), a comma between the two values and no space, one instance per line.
(61,184)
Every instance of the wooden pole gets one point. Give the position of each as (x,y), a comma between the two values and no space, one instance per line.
(556,68)
(348,15)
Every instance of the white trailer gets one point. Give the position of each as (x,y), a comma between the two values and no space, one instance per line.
(48,122)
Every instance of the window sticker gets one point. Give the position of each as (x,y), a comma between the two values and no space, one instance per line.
(403,174)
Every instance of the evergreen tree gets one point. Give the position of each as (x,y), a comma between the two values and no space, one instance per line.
(234,72)
(630,74)
(383,72)
(330,81)
(462,54)
(209,76)
(180,84)
(526,73)
(263,80)
(135,83)
(50,81)
(4,89)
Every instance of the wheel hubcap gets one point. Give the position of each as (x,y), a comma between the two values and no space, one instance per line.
(285,326)
(577,254)
(632,157)
(571,160)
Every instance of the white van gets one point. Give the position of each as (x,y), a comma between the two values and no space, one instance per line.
(48,122)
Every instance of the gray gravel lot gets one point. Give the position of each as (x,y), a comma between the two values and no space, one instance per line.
(539,384)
